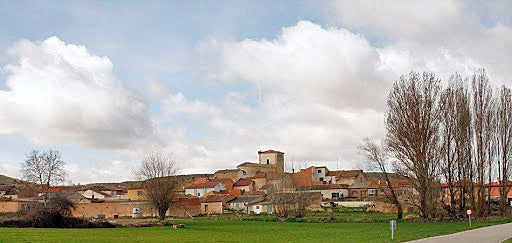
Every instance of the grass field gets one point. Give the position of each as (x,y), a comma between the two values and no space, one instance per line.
(246,230)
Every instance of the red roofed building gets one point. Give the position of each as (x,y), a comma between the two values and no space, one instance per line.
(215,203)
(495,189)
(244,184)
(202,186)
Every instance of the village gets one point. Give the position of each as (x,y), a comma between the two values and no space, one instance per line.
(250,188)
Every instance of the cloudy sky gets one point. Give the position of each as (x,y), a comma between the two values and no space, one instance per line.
(213,82)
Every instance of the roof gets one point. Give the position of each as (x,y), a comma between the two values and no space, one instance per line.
(270,151)
(497,183)
(54,189)
(243,182)
(247,199)
(208,184)
(380,175)
(217,198)
(250,164)
(324,187)
(345,173)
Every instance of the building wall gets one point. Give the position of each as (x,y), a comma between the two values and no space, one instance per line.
(259,183)
(319,176)
(198,192)
(327,194)
(211,208)
(137,194)
(92,194)
(245,188)
(251,171)
(9,207)
(233,175)
(87,210)
(304,177)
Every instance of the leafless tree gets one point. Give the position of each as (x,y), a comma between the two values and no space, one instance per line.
(463,144)
(378,159)
(504,132)
(412,123)
(158,171)
(44,168)
(448,134)
(289,198)
(483,127)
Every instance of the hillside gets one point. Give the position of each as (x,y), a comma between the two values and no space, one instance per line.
(5,180)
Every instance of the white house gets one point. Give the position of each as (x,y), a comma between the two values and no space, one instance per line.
(201,189)
(90,194)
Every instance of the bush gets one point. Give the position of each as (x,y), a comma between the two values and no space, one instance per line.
(56,214)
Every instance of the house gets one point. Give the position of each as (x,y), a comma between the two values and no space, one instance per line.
(233,174)
(240,203)
(261,207)
(137,194)
(57,189)
(215,203)
(184,206)
(90,194)
(202,187)
(345,177)
(244,184)
(73,197)
(495,190)
(313,175)
(329,191)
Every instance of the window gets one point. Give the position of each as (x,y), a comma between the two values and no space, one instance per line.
(257,207)
(372,192)
(139,193)
(268,161)
(321,179)
(319,171)
(335,195)
(198,194)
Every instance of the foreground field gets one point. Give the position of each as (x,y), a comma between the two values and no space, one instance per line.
(211,230)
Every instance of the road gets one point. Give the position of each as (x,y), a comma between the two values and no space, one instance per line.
(496,233)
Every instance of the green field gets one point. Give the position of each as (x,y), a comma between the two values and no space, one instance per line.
(246,230)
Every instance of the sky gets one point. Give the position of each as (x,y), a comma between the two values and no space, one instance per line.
(213,82)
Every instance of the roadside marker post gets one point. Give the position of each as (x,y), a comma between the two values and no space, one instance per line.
(468,212)
(392,227)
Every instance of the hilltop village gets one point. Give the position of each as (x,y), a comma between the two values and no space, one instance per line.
(250,188)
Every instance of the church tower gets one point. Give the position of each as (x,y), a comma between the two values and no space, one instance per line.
(272,157)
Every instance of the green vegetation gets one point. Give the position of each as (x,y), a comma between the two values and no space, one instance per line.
(221,229)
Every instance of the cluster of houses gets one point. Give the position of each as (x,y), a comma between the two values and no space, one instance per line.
(244,189)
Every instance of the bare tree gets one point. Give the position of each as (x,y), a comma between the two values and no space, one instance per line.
(504,132)
(378,158)
(158,171)
(483,122)
(448,134)
(44,168)
(463,144)
(412,123)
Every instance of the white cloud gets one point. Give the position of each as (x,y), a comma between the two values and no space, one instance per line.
(58,92)
(404,20)
(331,66)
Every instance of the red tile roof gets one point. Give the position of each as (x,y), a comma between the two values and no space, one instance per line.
(243,182)
(217,198)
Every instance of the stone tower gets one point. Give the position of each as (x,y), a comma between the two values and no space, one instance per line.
(272,157)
